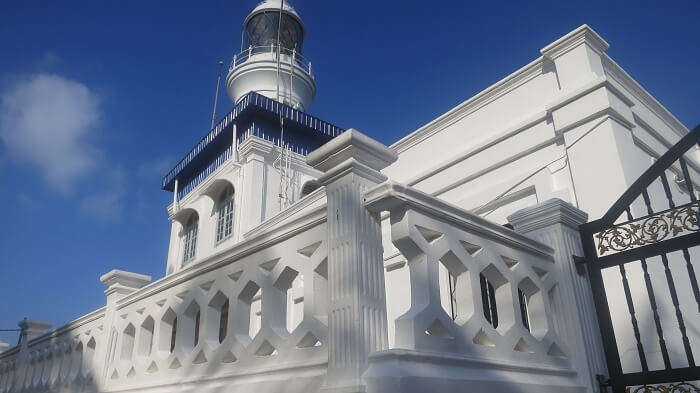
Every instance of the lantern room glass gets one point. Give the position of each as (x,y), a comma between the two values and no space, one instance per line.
(261,30)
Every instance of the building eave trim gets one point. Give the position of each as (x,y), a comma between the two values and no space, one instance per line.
(623,78)
(488,95)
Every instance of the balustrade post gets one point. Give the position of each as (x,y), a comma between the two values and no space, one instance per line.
(29,330)
(555,223)
(357,321)
(119,285)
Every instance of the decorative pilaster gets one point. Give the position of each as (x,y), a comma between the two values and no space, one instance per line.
(119,285)
(577,57)
(555,223)
(29,330)
(357,308)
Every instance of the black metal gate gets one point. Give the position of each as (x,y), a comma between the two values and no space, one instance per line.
(655,221)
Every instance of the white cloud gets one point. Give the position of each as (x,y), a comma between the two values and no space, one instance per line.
(46,121)
(107,204)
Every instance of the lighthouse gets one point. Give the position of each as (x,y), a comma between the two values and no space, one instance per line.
(251,164)
(271,61)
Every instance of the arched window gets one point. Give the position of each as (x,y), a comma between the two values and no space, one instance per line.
(189,238)
(224,215)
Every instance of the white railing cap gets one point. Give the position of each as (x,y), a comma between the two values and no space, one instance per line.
(351,144)
(126,279)
(550,212)
(391,195)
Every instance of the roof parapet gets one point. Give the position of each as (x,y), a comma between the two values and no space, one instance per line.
(583,34)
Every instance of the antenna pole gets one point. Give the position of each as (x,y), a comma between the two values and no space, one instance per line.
(279,47)
(216,97)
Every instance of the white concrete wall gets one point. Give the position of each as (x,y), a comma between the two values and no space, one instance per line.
(571,125)
(256,183)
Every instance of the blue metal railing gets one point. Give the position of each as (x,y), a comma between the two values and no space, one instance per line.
(214,165)
(252,99)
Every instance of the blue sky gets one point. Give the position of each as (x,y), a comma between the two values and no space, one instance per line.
(99,99)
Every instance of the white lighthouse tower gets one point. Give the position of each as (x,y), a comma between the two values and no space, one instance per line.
(271,62)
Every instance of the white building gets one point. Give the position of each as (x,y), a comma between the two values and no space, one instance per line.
(317,259)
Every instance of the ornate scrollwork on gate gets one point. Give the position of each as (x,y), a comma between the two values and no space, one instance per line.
(682,387)
(648,230)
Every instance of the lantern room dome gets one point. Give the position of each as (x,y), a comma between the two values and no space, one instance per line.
(271,61)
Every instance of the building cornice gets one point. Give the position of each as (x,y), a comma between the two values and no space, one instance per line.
(485,97)
(582,35)
(509,132)
(587,88)
(635,89)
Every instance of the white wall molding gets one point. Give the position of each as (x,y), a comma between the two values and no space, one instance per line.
(509,132)
(636,89)
(582,35)
(488,95)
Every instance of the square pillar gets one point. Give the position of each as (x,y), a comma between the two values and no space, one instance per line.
(555,223)
(357,324)
(119,285)
(577,57)
(29,330)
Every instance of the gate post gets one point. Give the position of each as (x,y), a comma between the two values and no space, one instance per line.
(357,324)
(555,223)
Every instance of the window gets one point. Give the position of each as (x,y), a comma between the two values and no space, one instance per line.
(190,239)
(488,298)
(224,219)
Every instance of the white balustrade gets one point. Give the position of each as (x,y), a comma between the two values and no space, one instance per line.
(482,309)
(301,304)
(227,317)
(63,360)
(436,237)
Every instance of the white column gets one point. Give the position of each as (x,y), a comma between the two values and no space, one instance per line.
(357,306)
(119,285)
(555,223)
(29,330)
(255,156)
